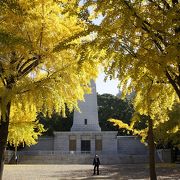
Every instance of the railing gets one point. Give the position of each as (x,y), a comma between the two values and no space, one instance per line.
(38,152)
(8,156)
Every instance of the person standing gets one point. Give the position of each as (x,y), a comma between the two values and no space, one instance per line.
(96,163)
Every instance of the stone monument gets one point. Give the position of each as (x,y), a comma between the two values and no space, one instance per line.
(86,135)
(85,140)
(87,119)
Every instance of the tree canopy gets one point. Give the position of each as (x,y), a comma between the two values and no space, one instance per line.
(36,72)
(141,40)
(42,62)
(167,134)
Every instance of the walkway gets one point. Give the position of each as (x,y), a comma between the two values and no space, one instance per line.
(69,172)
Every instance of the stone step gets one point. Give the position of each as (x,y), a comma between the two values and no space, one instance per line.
(81,159)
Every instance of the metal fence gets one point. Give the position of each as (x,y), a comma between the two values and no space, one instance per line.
(38,152)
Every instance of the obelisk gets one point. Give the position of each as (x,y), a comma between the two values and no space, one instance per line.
(87,118)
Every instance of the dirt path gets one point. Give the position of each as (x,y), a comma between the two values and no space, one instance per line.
(69,172)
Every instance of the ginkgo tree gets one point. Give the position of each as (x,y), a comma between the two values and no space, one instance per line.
(168,133)
(43,66)
(24,129)
(141,39)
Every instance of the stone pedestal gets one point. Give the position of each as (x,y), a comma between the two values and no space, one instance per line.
(100,142)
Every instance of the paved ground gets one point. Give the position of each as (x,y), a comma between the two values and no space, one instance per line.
(69,172)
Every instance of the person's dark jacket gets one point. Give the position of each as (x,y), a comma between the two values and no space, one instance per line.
(96,161)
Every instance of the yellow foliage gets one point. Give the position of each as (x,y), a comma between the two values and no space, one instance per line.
(42,62)
(142,133)
(141,41)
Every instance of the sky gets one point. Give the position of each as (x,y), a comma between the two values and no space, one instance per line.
(110,86)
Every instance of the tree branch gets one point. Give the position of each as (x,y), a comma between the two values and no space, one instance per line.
(144,27)
(25,63)
(29,68)
(156,4)
(166,4)
(173,83)
(63,44)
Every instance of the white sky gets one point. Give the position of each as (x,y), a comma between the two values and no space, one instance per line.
(110,86)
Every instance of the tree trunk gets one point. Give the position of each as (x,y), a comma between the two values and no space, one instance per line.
(152,169)
(176,85)
(4,124)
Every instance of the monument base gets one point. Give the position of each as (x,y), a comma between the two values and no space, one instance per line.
(104,142)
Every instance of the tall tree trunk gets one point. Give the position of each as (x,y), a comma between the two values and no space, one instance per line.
(152,168)
(4,124)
